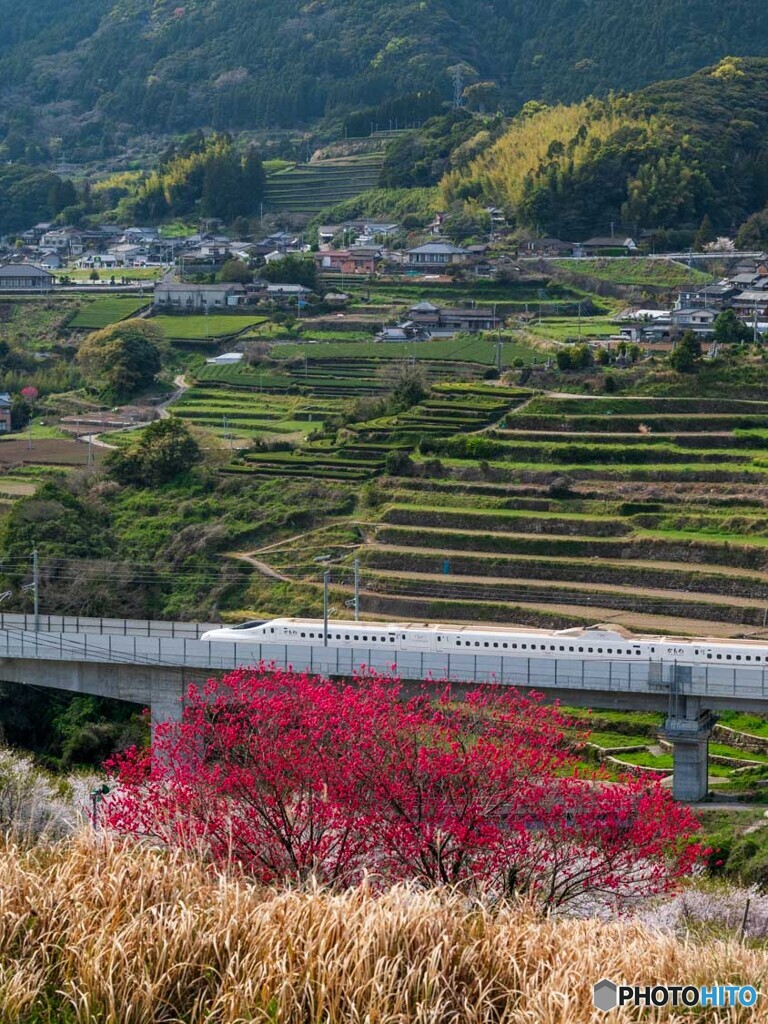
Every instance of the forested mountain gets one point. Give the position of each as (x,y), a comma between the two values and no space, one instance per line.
(91,72)
(665,157)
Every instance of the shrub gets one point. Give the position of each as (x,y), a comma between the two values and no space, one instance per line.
(299,777)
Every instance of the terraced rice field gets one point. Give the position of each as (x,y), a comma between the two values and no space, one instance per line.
(331,377)
(656,517)
(308,188)
(203,328)
(362,455)
(250,415)
(92,316)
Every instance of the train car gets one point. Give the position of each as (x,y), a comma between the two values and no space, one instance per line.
(583,643)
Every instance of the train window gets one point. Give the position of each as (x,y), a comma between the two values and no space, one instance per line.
(391,639)
(272,630)
(496,645)
(346,636)
(439,639)
(599,650)
(303,634)
(477,643)
(338,636)
(365,636)
(571,649)
(738,657)
(523,646)
(403,636)
(562,648)
(356,636)
(312,635)
(719,657)
(552,647)
(505,645)
(757,657)
(514,647)
(638,653)
(458,643)
(486,644)
(709,656)
(748,657)
(589,650)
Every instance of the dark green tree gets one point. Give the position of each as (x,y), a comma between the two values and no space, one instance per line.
(685,357)
(165,450)
(292,269)
(705,234)
(235,272)
(123,358)
(730,330)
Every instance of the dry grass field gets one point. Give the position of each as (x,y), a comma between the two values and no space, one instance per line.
(93,931)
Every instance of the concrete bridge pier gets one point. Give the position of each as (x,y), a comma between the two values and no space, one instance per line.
(688,728)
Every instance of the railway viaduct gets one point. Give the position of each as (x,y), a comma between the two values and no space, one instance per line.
(152,663)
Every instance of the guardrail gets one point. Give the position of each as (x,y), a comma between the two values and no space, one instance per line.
(116,627)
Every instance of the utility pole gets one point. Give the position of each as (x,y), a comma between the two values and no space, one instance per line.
(90,449)
(357,589)
(326,581)
(36,587)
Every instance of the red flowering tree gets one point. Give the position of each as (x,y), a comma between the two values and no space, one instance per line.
(292,776)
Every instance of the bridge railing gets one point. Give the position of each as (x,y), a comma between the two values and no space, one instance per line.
(115,627)
(180,652)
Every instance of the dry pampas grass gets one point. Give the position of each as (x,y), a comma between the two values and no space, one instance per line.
(98,931)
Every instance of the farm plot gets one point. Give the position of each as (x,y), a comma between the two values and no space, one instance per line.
(16,452)
(204,328)
(462,349)
(92,316)
(636,271)
(252,415)
(656,534)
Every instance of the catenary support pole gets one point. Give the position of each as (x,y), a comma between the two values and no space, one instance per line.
(326,581)
(36,587)
(357,590)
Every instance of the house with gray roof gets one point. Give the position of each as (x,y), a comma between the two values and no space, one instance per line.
(437,256)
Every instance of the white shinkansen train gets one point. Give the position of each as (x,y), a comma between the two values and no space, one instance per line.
(593,642)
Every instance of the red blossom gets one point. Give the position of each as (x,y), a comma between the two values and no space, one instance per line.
(291,776)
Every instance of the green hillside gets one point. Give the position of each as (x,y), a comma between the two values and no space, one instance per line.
(163,66)
(665,157)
